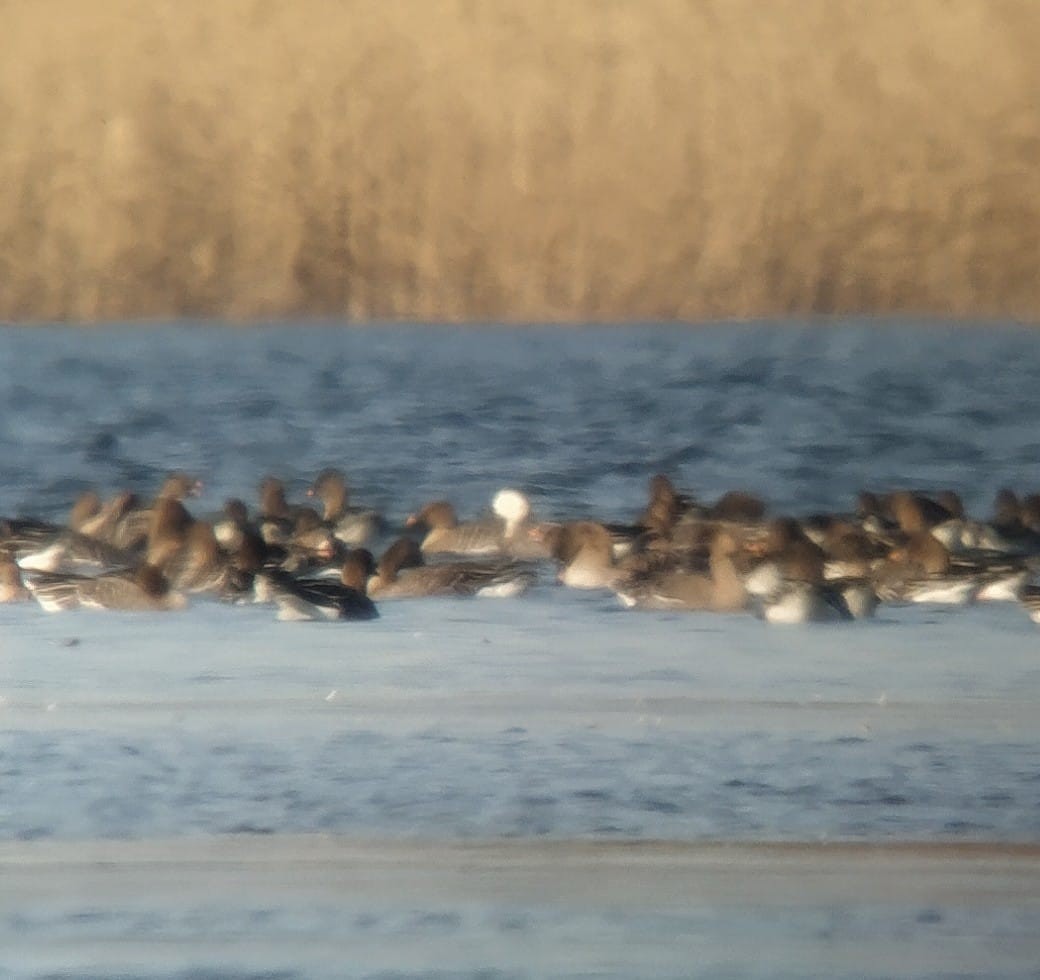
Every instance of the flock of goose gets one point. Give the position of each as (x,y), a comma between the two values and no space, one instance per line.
(317,559)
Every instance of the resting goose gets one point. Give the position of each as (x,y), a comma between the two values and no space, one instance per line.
(353,526)
(403,574)
(315,598)
(445,534)
(720,589)
(12,588)
(142,589)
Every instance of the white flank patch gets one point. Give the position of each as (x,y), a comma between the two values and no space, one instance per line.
(765,580)
(1007,588)
(952,592)
(507,589)
(49,559)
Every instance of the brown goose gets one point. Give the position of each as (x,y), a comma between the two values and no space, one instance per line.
(585,553)
(200,565)
(168,526)
(738,507)
(233,525)
(915,512)
(849,551)
(100,521)
(142,589)
(310,545)
(46,547)
(275,519)
(446,535)
(130,530)
(85,510)
(921,570)
(665,505)
(58,549)
(402,574)
(358,567)
(11,587)
(1030,599)
(720,589)
(352,525)
(790,549)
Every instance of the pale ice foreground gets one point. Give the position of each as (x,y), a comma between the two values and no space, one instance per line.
(518,788)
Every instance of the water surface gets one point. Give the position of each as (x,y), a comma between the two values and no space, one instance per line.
(171,787)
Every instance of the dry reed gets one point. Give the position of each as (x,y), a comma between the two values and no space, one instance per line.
(518,159)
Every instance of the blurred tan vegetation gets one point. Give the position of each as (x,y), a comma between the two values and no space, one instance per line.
(518,159)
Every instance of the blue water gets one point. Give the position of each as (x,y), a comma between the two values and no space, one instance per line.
(553,717)
(578,417)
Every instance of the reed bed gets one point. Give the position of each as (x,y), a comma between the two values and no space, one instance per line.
(519,159)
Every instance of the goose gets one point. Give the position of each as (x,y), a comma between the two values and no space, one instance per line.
(353,526)
(445,534)
(314,599)
(720,589)
(402,573)
(12,589)
(139,590)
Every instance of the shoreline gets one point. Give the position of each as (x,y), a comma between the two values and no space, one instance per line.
(623,873)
